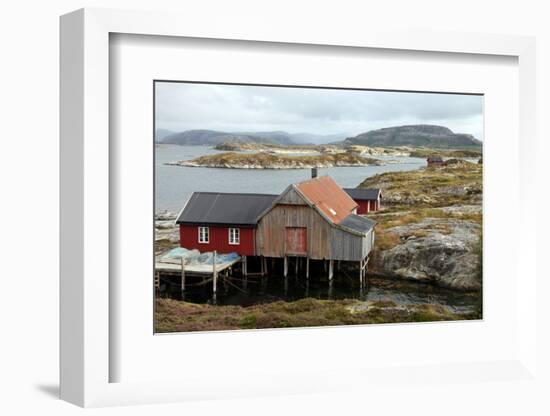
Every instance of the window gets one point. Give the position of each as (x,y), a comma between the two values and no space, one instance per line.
(234,236)
(204,236)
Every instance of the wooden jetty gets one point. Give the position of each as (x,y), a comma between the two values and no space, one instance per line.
(180,267)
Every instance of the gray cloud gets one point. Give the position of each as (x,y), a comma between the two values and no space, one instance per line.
(181,106)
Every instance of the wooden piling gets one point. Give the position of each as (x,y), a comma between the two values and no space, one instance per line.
(182,274)
(307,267)
(361,273)
(262,269)
(330,269)
(245,266)
(296,265)
(214,273)
(285,266)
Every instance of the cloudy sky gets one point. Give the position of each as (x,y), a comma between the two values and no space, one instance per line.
(234,108)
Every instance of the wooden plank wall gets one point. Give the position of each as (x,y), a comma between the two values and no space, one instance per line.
(346,246)
(324,241)
(271,231)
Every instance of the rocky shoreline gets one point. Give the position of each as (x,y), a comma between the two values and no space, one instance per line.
(355,149)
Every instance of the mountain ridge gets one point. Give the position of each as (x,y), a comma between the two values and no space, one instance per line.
(214,137)
(416,135)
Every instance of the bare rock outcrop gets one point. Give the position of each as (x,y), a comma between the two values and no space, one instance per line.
(440,251)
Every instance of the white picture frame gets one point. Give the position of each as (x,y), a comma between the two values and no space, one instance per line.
(85,211)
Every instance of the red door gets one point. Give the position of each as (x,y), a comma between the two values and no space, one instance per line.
(296,240)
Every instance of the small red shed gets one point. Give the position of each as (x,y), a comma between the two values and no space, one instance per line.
(435,161)
(225,222)
(368,200)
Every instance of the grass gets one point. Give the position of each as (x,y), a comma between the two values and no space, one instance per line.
(177,316)
(433,190)
(425,153)
(458,184)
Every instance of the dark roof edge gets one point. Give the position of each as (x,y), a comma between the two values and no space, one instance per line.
(218,224)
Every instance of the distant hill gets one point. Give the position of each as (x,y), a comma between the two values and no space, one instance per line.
(421,135)
(160,134)
(212,137)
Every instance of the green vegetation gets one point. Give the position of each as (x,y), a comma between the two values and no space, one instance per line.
(177,316)
(441,195)
(265,160)
(425,153)
(456,184)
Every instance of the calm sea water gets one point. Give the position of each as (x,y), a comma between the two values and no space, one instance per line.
(260,291)
(175,184)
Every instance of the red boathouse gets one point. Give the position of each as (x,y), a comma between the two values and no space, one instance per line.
(368,200)
(221,221)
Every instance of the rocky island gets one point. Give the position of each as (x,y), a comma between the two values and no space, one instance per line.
(357,149)
(263,160)
(275,148)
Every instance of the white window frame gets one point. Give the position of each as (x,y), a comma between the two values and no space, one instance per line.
(206,232)
(234,232)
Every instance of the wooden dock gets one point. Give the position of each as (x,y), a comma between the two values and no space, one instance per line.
(196,269)
(180,267)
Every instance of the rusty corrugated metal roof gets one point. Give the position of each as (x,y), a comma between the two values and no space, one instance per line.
(328,197)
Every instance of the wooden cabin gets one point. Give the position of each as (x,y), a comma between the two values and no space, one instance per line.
(225,222)
(368,200)
(314,219)
(435,161)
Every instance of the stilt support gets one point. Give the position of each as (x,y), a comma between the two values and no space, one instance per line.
(214,274)
(285,267)
(330,269)
(182,274)
(264,266)
(307,267)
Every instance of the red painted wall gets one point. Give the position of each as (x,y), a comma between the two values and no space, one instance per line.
(363,207)
(219,240)
(367,206)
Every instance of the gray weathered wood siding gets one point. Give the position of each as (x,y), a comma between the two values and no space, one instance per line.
(324,240)
(271,237)
(346,246)
(291,197)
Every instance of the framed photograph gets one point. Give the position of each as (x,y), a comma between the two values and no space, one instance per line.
(331,224)
(251,205)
